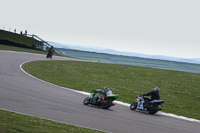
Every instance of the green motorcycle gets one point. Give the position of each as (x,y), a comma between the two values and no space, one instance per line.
(95,98)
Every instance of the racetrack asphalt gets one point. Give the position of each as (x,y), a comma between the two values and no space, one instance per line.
(19,92)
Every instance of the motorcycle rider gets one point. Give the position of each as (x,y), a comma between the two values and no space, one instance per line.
(51,50)
(154,96)
(106,89)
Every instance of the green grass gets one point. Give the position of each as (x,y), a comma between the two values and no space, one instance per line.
(11,122)
(12,48)
(17,38)
(180,90)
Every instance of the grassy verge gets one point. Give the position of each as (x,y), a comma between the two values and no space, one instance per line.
(11,122)
(180,90)
(12,48)
(17,38)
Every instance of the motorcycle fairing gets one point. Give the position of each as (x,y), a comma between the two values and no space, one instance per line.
(157,101)
(93,100)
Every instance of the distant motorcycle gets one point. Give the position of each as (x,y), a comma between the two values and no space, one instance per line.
(95,99)
(49,54)
(152,107)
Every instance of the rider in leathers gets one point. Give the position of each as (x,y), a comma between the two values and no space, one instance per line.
(106,89)
(154,95)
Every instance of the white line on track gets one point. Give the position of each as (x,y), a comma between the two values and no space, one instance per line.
(118,102)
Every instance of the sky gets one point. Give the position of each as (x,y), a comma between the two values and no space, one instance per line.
(154,27)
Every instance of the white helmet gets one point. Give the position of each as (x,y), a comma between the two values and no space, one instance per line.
(156,89)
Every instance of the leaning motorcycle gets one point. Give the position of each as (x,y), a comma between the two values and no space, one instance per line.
(95,99)
(49,54)
(152,107)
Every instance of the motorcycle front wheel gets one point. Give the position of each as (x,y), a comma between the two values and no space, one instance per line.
(86,101)
(133,106)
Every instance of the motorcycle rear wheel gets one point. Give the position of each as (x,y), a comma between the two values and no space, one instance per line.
(106,105)
(133,106)
(152,109)
(86,101)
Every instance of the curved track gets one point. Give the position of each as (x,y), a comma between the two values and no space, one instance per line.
(20,92)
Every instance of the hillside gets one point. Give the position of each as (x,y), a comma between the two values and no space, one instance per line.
(17,40)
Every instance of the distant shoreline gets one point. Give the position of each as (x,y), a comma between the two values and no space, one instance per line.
(134,61)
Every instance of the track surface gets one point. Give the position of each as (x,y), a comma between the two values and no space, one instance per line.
(20,92)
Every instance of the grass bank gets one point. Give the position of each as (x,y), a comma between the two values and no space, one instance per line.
(21,40)
(180,90)
(11,122)
(17,38)
(12,48)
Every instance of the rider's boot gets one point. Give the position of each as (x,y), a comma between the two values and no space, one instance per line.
(99,100)
(103,98)
(145,104)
